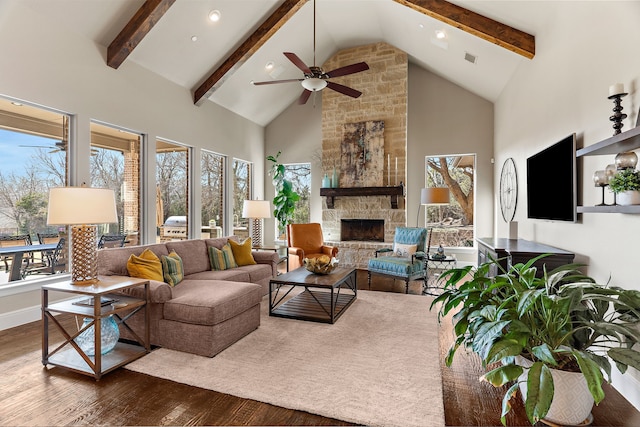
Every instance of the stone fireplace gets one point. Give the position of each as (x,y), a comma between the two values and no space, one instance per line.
(384,99)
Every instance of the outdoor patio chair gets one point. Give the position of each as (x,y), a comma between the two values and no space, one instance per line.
(111,241)
(406,260)
(52,262)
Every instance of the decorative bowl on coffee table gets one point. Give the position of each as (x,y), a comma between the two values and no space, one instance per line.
(320,265)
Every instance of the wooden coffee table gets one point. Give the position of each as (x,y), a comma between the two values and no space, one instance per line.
(324,298)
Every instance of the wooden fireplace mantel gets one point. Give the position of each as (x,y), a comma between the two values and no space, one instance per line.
(393,192)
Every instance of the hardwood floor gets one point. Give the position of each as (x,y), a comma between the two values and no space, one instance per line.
(31,394)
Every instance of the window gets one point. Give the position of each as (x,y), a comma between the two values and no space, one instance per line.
(212,182)
(172,192)
(242,182)
(452,225)
(33,143)
(300,176)
(115,164)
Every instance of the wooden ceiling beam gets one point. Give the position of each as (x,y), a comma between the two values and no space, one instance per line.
(135,30)
(259,37)
(493,31)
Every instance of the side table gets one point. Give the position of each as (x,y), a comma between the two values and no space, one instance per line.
(69,354)
(282,251)
(435,267)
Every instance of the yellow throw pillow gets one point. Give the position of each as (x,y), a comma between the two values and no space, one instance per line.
(145,266)
(242,252)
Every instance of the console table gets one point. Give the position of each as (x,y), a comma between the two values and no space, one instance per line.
(513,251)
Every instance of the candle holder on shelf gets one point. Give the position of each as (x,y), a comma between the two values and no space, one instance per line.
(618,115)
(600,180)
(610,172)
(626,160)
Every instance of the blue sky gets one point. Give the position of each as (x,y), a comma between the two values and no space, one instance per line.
(13,157)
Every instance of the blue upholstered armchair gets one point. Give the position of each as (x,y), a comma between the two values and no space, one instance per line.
(406,260)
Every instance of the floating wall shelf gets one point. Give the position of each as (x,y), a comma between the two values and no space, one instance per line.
(625,141)
(393,192)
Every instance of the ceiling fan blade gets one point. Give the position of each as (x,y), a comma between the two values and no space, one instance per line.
(297,62)
(271,82)
(304,97)
(348,69)
(344,89)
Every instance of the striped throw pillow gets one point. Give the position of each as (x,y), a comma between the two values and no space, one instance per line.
(222,259)
(172,268)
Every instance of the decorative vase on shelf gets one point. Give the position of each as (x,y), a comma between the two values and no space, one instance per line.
(109,336)
(334,179)
(326,181)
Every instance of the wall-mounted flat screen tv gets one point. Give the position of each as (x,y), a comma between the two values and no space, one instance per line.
(552,182)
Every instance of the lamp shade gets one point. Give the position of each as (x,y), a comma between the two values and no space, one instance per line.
(81,205)
(314,84)
(434,196)
(256,209)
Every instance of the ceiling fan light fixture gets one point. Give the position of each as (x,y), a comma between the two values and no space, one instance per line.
(314,84)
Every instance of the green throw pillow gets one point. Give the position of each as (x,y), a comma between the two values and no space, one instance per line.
(172,268)
(222,259)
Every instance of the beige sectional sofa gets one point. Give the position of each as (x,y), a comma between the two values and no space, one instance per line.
(208,310)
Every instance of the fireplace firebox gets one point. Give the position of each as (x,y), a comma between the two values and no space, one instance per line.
(371,230)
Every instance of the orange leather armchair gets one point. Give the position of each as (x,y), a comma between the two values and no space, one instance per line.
(306,241)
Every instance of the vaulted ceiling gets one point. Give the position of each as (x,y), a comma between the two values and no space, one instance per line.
(484,42)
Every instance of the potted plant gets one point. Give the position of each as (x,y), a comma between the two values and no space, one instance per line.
(284,202)
(626,185)
(560,321)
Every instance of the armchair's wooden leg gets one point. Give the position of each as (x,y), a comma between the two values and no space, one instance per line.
(406,281)
(369,279)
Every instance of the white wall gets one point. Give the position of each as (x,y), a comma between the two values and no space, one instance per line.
(586,47)
(42,63)
(443,119)
(297,132)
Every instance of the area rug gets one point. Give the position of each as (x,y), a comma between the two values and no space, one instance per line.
(377,365)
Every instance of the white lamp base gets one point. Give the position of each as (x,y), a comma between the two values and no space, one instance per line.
(84,264)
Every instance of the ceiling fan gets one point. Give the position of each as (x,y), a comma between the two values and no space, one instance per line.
(57,147)
(315,78)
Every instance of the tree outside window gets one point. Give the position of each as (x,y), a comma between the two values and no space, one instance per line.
(452,225)
(172,180)
(115,164)
(242,182)
(212,182)
(300,176)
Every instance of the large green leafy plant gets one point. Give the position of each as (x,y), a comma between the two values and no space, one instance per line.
(562,320)
(284,202)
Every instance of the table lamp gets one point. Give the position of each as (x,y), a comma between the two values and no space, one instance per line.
(256,210)
(432,196)
(82,208)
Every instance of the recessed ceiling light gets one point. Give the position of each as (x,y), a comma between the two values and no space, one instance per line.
(269,66)
(440,34)
(421,26)
(214,15)
(17,104)
(194,38)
